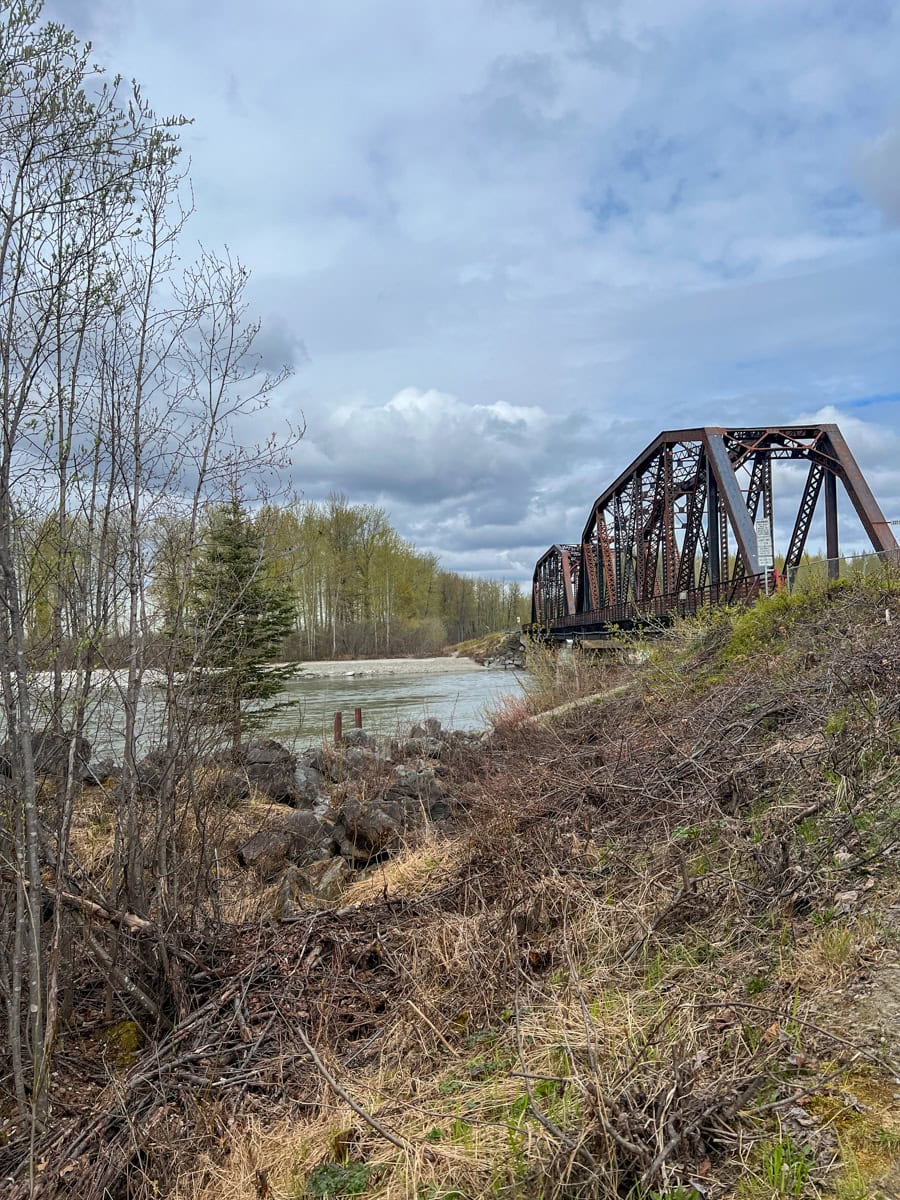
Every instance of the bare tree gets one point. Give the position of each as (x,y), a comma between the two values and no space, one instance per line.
(123,384)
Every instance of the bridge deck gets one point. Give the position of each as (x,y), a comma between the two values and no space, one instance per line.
(658,610)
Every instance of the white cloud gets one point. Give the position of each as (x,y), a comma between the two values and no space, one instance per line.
(880,172)
(430,447)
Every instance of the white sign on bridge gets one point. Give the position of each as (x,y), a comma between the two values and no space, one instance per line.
(764,549)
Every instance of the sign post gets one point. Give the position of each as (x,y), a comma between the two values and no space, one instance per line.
(764,549)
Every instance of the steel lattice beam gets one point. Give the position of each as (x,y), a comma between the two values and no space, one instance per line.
(805,513)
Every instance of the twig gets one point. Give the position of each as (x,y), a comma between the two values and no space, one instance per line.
(400,1142)
(127,920)
(434,1029)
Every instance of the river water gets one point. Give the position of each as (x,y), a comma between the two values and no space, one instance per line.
(393,694)
(459,695)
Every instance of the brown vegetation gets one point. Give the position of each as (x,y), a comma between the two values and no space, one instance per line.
(648,962)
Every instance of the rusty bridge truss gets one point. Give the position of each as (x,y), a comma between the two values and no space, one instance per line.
(678,529)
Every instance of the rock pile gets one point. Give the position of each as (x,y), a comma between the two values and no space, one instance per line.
(51,755)
(509,654)
(346,806)
(331,810)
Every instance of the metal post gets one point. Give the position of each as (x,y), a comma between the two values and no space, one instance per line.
(338,727)
(832,550)
(712,507)
(357,718)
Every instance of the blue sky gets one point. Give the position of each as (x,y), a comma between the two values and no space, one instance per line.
(505,242)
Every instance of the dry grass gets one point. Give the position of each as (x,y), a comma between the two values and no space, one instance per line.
(415,871)
(555,678)
(607,983)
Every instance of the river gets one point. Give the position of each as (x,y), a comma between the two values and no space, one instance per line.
(393,694)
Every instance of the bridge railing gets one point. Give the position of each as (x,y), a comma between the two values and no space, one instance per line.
(660,608)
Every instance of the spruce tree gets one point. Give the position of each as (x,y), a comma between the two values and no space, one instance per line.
(239,616)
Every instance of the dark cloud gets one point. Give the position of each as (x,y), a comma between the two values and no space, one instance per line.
(278,345)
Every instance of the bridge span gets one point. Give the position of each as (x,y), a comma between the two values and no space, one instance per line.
(690,523)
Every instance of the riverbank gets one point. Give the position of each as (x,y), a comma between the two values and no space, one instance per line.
(657,957)
(376,668)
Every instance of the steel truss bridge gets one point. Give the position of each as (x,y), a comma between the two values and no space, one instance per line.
(677,531)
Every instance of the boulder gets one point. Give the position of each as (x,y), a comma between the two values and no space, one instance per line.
(152,770)
(267,852)
(105,769)
(328,878)
(423,747)
(360,738)
(320,760)
(290,886)
(439,808)
(270,769)
(430,728)
(355,762)
(230,787)
(309,785)
(51,754)
(420,793)
(383,748)
(418,782)
(268,753)
(298,837)
(370,828)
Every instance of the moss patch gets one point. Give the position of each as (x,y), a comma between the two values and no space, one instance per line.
(865,1114)
(124,1040)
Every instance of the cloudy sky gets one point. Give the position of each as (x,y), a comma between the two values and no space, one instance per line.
(505,242)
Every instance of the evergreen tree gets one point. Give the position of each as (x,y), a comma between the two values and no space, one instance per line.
(239,615)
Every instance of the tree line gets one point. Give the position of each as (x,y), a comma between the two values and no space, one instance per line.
(358,588)
(355,586)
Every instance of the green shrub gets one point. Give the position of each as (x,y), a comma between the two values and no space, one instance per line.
(338,1179)
(765,626)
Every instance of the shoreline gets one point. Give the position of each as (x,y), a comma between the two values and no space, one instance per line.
(379,667)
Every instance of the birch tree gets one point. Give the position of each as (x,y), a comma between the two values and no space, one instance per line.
(122,378)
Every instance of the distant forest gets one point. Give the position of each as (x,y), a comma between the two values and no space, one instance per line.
(359,588)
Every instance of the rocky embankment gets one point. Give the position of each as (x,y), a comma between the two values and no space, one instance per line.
(345,806)
(317,817)
(498,650)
